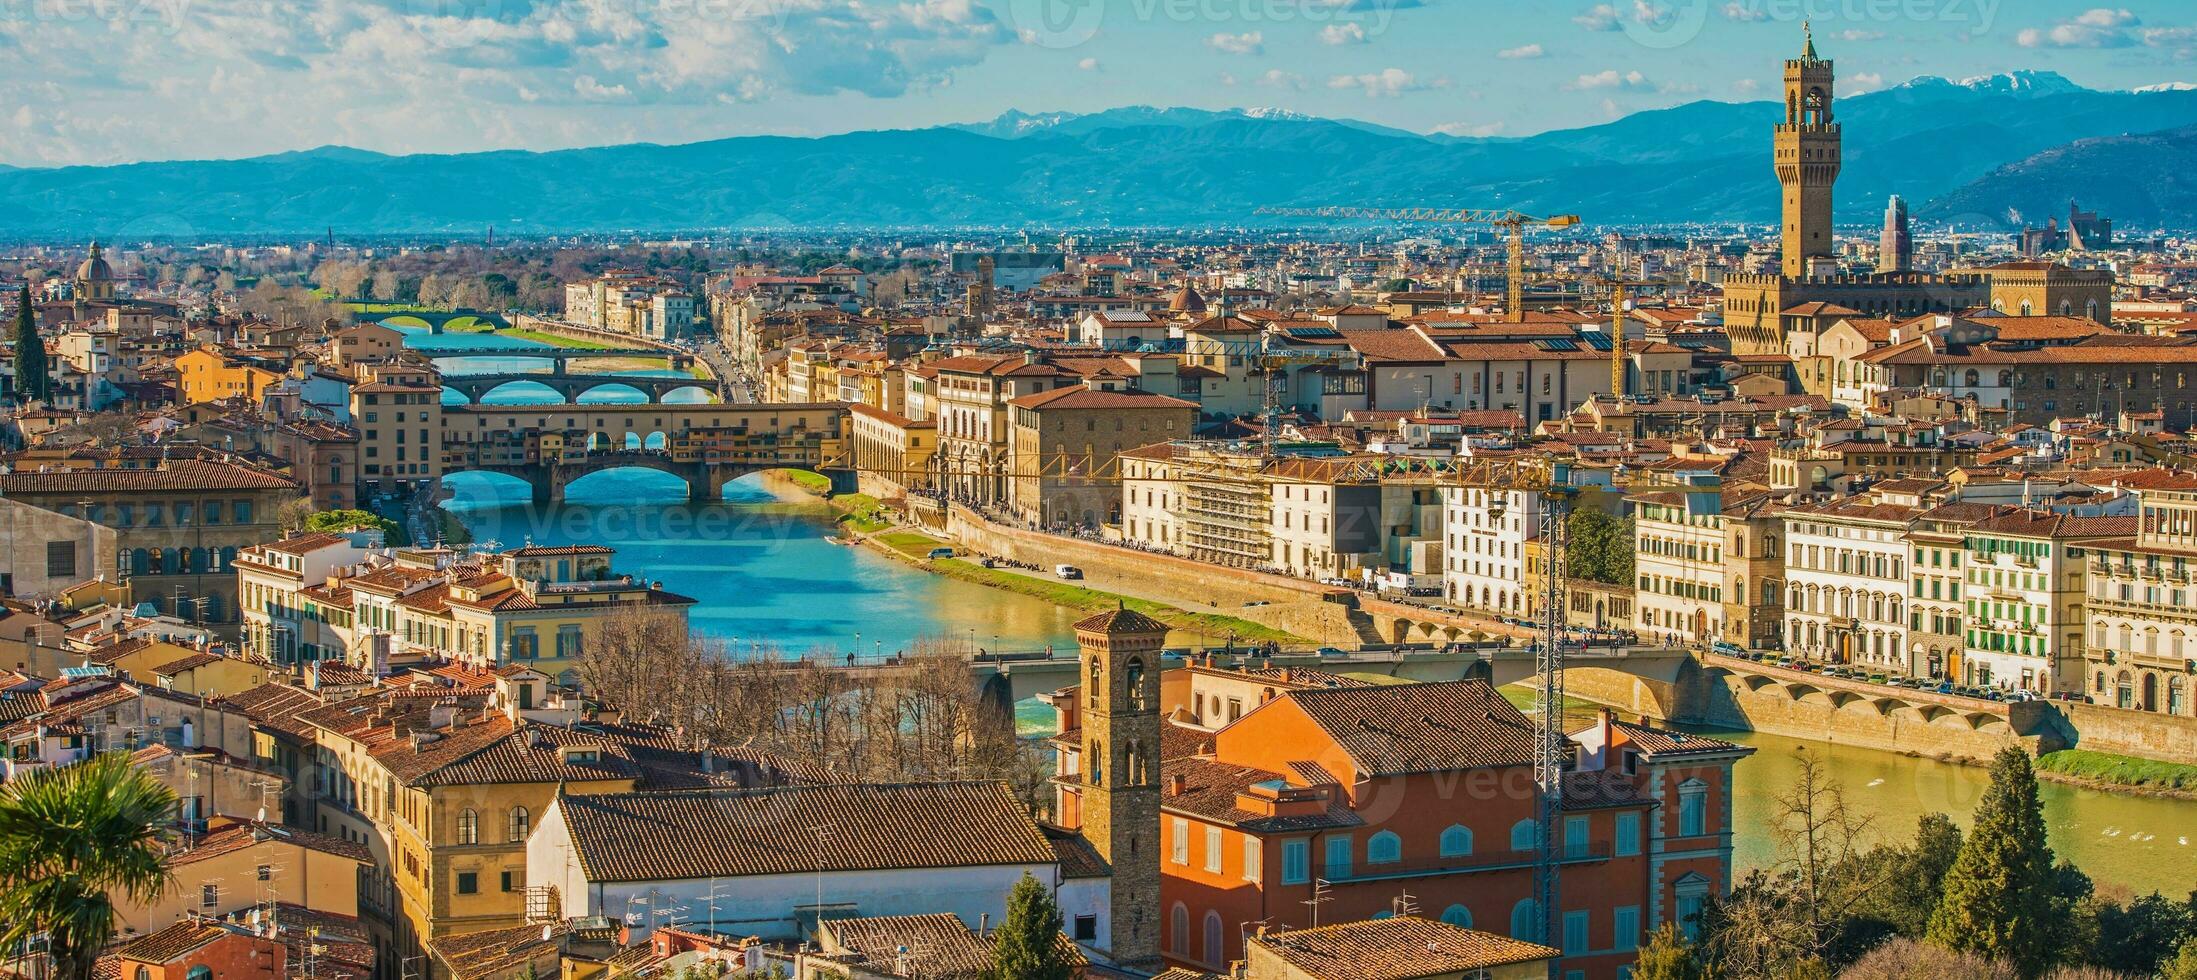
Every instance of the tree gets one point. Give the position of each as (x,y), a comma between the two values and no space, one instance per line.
(345,520)
(2184,964)
(1028,944)
(69,839)
(2140,937)
(1670,956)
(1600,546)
(1904,959)
(2002,899)
(1912,876)
(33,380)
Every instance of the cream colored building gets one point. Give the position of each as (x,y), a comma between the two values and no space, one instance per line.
(2142,606)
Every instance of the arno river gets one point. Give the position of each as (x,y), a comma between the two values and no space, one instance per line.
(766,578)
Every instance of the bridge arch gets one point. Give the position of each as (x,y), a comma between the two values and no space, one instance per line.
(694,394)
(611,393)
(533,393)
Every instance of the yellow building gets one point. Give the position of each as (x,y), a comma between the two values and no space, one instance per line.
(206,375)
(444,788)
(892,454)
(182,669)
(240,864)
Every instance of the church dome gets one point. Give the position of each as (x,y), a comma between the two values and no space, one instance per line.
(95,269)
(1187,300)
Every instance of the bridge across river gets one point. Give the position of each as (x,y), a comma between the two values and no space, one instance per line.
(571,386)
(1007,678)
(706,446)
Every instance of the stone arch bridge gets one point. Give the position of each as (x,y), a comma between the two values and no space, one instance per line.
(571,386)
(707,446)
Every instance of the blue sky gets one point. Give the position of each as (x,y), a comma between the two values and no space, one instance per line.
(102,81)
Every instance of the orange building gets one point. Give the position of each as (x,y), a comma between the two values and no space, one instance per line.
(206,375)
(1294,797)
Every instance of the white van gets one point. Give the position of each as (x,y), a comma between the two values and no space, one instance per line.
(1068,571)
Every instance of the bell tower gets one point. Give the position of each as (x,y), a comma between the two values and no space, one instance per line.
(1808,147)
(1121,758)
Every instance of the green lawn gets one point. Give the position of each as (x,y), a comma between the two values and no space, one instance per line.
(1214,626)
(1577,713)
(813,482)
(555,340)
(2119,770)
(862,512)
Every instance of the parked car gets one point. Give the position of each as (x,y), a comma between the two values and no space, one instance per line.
(1330,652)
(937,553)
(1069,572)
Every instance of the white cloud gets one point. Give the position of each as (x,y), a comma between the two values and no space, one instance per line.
(1277,78)
(231,79)
(1746,85)
(1471,130)
(2099,27)
(1521,53)
(1859,35)
(1866,81)
(1248,42)
(1600,17)
(1347,32)
(1611,78)
(1386,83)
(1088,64)
(1751,13)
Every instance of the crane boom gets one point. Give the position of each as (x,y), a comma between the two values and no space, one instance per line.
(1512,222)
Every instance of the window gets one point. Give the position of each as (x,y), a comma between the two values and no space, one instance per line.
(1384,848)
(60,559)
(1214,938)
(469,827)
(469,882)
(1575,837)
(1693,801)
(1575,932)
(509,883)
(1626,921)
(1179,848)
(520,824)
(1213,850)
(1296,862)
(1178,921)
(1457,841)
(1253,858)
(209,896)
(1457,915)
(1523,836)
(1525,921)
(1628,834)
(266,872)
(199,973)
(1086,929)
(1337,866)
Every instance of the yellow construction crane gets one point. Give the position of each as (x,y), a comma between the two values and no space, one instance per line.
(1621,304)
(1513,222)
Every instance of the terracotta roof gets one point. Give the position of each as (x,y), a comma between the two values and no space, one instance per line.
(1412,728)
(242,836)
(1080,397)
(1209,789)
(189,474)
(729,834)
(1404,948)
(304,543)
(1118,621)
(496,952)
(173,943)
(276,707)
(1078,859)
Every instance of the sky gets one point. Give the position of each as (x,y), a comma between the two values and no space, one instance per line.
(108,81)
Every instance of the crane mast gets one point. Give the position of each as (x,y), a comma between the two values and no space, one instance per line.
(1513,223)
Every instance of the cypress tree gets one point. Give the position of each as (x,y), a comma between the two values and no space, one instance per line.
(1028,945)
(2001,899)
(32,383)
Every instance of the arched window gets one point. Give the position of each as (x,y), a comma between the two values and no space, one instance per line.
(1213,942)
(520,824)
(1458,915)
(144,973)
(1384,848)
(1457,841)
(1132,683)
(1525,921)
(1522,836)
(1973,377)
(469,827)
(199,973)
(1178,921)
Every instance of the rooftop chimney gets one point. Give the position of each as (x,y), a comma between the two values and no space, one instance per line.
(1175,784)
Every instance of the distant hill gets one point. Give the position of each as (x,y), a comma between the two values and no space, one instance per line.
(2146,181)
(1135,166)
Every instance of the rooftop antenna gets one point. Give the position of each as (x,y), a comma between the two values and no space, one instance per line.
(1320,896)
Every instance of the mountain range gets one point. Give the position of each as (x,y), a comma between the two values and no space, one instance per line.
(1968,151)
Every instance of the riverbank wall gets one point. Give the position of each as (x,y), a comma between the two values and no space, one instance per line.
(1302,608)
